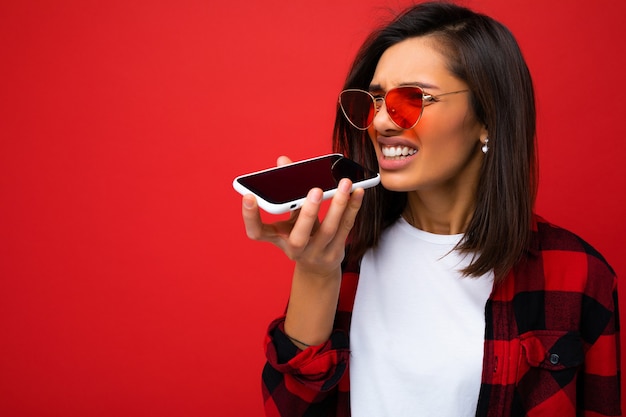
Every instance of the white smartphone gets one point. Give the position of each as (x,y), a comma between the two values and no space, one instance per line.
(281,189)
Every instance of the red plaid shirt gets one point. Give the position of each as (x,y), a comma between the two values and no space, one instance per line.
(551,342)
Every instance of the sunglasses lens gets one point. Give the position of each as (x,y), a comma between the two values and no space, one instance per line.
(404,105)
(358,107)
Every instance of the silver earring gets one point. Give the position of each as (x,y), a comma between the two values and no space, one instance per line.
(485,147)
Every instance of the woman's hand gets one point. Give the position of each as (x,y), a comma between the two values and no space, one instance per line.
(316,247)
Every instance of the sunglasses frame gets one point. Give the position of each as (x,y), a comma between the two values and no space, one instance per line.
(430,98)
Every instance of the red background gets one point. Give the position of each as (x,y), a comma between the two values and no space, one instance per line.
(127,285)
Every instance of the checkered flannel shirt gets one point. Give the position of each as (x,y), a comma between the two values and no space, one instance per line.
(551,342)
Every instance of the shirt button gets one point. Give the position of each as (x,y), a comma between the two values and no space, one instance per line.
(554,359)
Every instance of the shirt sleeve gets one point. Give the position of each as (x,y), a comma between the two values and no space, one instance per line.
(303,382)
(314,382)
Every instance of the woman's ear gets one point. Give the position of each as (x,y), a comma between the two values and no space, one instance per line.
(484,140)
(484,135)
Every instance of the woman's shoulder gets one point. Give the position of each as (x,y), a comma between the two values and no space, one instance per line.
(563,244)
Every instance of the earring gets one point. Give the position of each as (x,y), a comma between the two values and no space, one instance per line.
(485,147)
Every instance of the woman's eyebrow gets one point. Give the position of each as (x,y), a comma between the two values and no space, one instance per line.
(378,87)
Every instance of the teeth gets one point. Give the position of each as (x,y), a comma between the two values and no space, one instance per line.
(397,151)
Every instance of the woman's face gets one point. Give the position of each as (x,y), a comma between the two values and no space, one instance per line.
(444,146)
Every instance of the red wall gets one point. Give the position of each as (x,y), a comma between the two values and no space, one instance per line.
(127,285)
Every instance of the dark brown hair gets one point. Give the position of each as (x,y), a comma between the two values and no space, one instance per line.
(484,54)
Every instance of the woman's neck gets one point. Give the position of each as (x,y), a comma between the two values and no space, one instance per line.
(440,212)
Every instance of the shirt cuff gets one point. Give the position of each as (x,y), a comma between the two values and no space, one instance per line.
(322,365)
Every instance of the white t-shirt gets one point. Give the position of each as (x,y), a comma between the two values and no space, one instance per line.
(417,330)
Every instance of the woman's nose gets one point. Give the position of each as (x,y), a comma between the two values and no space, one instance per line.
(382,121)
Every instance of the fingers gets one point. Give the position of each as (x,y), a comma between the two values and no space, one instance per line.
(341,213)
(349,216)
(303,236)
(251,217)
(291,235)
(307,220)
(283,160)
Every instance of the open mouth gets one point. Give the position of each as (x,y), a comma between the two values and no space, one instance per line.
(397,152)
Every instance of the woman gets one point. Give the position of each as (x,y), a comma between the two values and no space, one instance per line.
(451,298)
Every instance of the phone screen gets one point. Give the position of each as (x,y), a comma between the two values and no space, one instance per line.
(291,182)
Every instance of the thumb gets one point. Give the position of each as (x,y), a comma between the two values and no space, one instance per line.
(283,160)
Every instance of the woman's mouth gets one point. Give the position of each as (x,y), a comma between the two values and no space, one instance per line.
(397,152)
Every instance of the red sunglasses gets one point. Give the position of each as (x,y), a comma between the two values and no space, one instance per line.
(404,105)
